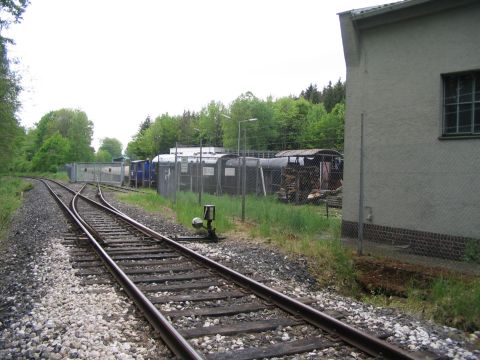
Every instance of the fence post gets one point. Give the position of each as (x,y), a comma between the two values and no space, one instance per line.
(201,176)
(218,189)
(122,170)
(175,179)
(158,175)
(360,198)
(244,174)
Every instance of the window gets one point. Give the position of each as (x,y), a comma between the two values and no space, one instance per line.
(461,104)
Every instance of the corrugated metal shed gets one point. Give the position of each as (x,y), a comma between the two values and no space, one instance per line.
(308,152)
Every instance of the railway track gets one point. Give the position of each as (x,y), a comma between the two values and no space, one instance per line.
(188,297)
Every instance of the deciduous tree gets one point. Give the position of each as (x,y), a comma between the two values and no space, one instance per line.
(51,154)
(112,146)
(74,126)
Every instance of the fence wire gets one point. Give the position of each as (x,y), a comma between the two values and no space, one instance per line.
(411,207)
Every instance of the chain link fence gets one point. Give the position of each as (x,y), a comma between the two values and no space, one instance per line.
(295,177)
(417,202)
(415,209)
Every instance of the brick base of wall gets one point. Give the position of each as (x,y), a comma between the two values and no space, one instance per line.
(417,242)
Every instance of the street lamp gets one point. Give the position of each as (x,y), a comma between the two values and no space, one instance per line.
(244,172)
(200,190)
(238,142)
(238,137)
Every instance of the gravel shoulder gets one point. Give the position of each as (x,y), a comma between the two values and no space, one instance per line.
(46,313)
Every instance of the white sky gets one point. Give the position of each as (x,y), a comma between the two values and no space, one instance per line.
(120,61)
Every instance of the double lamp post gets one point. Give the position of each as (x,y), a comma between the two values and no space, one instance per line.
(244,170)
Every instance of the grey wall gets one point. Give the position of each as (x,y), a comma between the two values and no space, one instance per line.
(413,180)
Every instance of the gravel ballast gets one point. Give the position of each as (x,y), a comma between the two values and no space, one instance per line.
(291,275)
(46,313)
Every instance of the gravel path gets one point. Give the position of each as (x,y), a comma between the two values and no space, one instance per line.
(46,313)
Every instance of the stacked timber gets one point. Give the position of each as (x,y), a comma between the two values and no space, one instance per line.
(298,182)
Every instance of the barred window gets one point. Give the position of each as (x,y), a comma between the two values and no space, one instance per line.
(461,105)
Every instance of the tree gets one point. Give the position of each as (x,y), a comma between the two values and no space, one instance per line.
(324,130)
(162,135)
(158,138)
(74,126)
(311,94)
(103,156)
(332,95)
(11,11)
(186,125)
(329,96)
(51,154)
(261,133)
(10,129)
(290,118)
(210,123)
(145,124)
(11,133)
(112,146)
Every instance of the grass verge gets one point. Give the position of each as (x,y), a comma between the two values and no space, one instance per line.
(61,175)
(301,229)
(11,193)
(452,301)
(306,230)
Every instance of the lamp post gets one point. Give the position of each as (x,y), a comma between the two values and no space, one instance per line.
(238,142)
(200,190)
(244,172)
(238,134)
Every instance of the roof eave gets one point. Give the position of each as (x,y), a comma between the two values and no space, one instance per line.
(393,12)
(357,14)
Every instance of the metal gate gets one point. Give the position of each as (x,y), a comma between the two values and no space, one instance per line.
(108,173)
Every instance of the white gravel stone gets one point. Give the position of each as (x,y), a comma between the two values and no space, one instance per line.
(68,317)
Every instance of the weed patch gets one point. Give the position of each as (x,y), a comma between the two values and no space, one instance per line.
(301,229)
(455,302)
(11,192)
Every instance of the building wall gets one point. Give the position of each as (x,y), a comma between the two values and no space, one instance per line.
(413,179)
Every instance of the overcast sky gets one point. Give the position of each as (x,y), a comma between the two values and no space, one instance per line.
(120,61)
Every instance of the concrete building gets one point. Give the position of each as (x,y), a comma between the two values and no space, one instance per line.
(413,73)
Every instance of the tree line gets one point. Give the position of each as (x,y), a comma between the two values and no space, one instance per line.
(60,137)
(11,12)
(313,119)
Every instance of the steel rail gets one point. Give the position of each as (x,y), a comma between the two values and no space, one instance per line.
(361,340)
(172,338)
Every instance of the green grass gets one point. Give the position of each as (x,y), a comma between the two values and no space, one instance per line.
(61,175)
(454,302)
(451,301)
(302,229)
(305,230)
(11,192)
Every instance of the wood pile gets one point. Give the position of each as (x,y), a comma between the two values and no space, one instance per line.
(298,182)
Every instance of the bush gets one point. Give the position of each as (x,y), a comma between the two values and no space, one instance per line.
(472,251)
